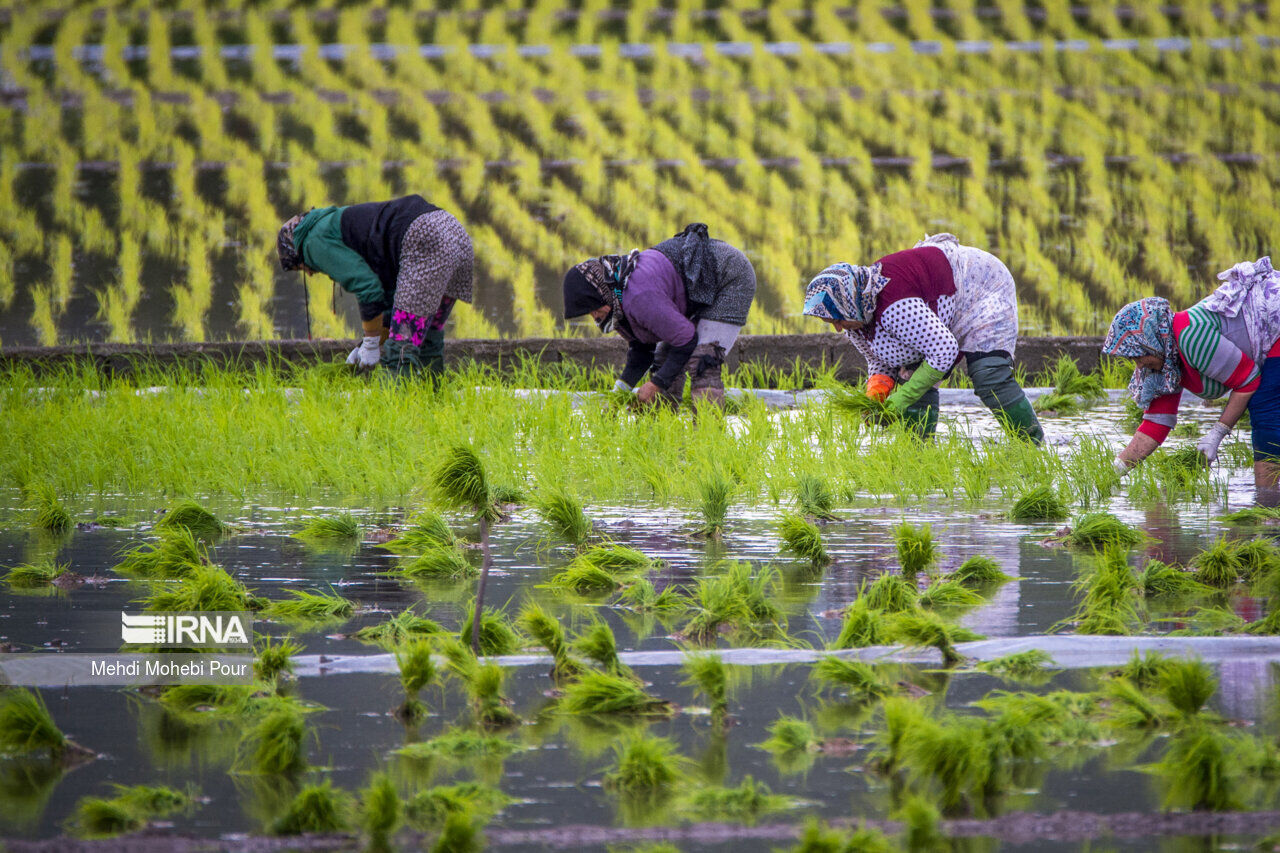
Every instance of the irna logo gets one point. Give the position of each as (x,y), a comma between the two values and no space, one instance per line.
(221,629)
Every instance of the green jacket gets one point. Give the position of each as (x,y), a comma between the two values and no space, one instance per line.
(318,239)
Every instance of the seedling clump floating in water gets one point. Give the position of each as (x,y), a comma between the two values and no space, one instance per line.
(1026,665)
(275,744)
(707,674)
(814,499)
(859,678)
(715,492)
(549,632)
(803,539)
(427,531)
(51,515)
(791,735)
(601,567)
(176,555)
(646,764)
(949,595)
(417,670)
(380,811)
(745,803)
(1158,578)
(35,575)
(596,692)
(922,628)
(429,809)
(598,643)
(321,529)
(460,745)
(1218,565)
(26,726)
(399,629)
(275,660)
(1188,685)
(316,809)
(979,571)
(441,562)
(916,551)
(197,520)
(128,811)
(890,593)
(497,635)
(863,626)
(1109,605)
(642,597)
(203,587)
(305,606)
(1038,503)
(1101,530)
(483,682)
(563,514)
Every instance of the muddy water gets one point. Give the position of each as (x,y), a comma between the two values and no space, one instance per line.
(555,778)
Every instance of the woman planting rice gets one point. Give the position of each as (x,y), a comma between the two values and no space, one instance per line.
(680,305)
(914,313)
(1227,342)
(407,262)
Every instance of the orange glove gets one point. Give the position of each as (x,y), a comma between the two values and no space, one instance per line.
(879,386)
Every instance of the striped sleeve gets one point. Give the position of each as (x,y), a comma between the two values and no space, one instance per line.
(1210,353)
(1160,417)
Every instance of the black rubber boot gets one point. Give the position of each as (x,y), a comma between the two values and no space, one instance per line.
(432,352)
(993,382)
(921,417)
(401,358)
(705,369)
(673,396)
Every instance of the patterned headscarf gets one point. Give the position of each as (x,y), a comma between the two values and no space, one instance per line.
(608,275)
(290,259)
(1142,328)
(1251,289)
(844,292)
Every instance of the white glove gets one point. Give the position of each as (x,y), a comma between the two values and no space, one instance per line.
(619,385)
(1121,467)
(368,354)
(1208,446)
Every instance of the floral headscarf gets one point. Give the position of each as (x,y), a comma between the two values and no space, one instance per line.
(844,292)
(599,281)
(1143,328)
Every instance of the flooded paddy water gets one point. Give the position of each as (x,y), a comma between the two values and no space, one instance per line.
(551,768)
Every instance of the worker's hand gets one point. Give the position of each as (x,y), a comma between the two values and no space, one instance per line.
(367,354)
(1120,466)
(622,387)
(879,386)
(647,394)
(1208,446)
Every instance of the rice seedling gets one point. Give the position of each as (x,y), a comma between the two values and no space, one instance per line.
(274,660)
(1161,579)
(952,753)
(233,698)
(791,735)
(380,810)
(34,575)
(642,597)
(644,763)
(305,606)
(128,811)
(27,726)
(916,551)
(979,571)
(497,636)
(417,670)
(51,515)
(401,628)
(323,529)
(714,495)
(1201,770)
(1056,403)
(1039,503)
(890,593)
(174,556)
(596,692)
(1109,605)
(438,562)
(461,483)
(856,403)
(1218,565)
(601,568)
(1210,621)
(736,599)
(1129,706)
(316,809)
(563,514)
(745,803)
(460,834)
(459,744)
(1067,379)
(1252,515)
(1188,685)
(817,837)
(1144,670)
(803,539)
(1028,665)
(859,678)
(430,808)
(814,499)
(901,718)
(707,674)
(1101,530)
(597,643)
(863,626)
(274,746)
(549,633)
(922,628)
(197,520)
(484,684)
(1186,460)
(921,823)
(203,587)
(426,531)
(1258,558)
(948,595)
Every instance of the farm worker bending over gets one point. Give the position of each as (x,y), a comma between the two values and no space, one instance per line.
(1227,342)
(406,261)
(924,308)
(680,305)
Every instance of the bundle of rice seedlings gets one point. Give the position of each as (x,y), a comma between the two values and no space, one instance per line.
(1186,460)
(803,539)
(855,402)
(380,810)
(922,628)
(1188,685)
(1109,605)
(1210,621)
(461,482)
(315,809)
(497,635)
(275,743)
(274,660)
(174,556)
(979,571)
(204,587)
(901,718)
(814,499)
(27,726)
(890,593)
(1144,670)
(438,562)
(735,599)
(952,752)
(1129,707)
(1252,515)
(460,834)
(427,530)
(192,697)
(1101,530)
(1019,665)
(1161,579)
(1038,503)
(399,629)
(790,735)
(745,803)
(549,633)
(1068,380)
(305,606)
(1202,770)
(563,514)
(128,811)
(597,643)
(921,823)
(601,568)
(645,763)
(642,597)
(596,692)
(34,575)
(818,837)
(859,678)
(863,626)
(190,516)
(459,744)
(948,595)
(1218,565)
(713,505)
(417,670)
(707,674)
(1258,558)
(916,551)
(483,682)
(430,808)
(322,529)
(1059,404)
(51,515)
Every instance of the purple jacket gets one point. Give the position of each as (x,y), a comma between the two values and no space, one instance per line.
(654,302)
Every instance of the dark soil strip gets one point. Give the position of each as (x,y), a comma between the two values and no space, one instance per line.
(1017,828)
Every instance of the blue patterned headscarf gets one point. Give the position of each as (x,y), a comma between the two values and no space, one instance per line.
(844,292)
(1142,328)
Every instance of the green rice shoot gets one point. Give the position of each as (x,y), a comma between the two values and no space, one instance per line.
(35,575)
(1039,503)
(426,530)
(330,530)
(563,513)
(916,551)
(803,539)
(190,516)
(814,498)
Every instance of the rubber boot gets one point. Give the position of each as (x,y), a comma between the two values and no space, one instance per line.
(704,369)
(993,382)
(674,395)
(401,358)
(921,417)
(432,352)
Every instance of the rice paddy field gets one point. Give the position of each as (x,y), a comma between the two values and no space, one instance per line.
(768,627)
(148,153)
